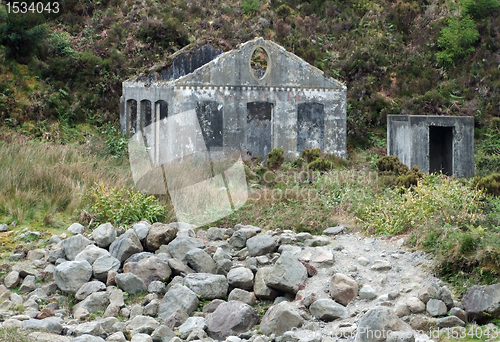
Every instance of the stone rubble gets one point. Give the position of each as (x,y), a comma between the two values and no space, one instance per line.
(172,282)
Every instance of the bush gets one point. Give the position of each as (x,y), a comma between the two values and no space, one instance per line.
(123,207)
(309,155)
(456,40)
(391,166)
(490,184)
(411,178)
(21,33)
(320,164)
(250,6)
(434,202)
(275,158)
(479,9)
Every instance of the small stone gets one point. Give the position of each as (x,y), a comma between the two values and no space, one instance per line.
(367,292)
(436,308)
(76,228)
(3,227)
(241,277)
(415,305)
(449,322)
(381,265)
(459,313)
(334,230)
(363,261)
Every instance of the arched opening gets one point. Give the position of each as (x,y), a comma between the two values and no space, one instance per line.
(161,110)
(146,117)
(131,117)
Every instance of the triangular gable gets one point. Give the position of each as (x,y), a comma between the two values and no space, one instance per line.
(284,69)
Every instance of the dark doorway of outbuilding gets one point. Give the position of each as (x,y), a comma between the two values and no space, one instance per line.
(259,128)
(441,150)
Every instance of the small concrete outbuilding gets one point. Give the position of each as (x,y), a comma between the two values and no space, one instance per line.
(254,98)
(433,143)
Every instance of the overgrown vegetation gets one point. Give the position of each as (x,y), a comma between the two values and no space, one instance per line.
(60,84)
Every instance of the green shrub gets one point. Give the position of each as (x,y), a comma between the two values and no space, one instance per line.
(411,178)
(320,164)
(391,166)
(433,202)
(456,40)
(123,207)
(490,184)
(487,164)
(310,154)
(479,9)
(275,158)
(250,6)
(299,162)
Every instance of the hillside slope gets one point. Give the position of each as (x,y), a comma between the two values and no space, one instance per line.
(417,57)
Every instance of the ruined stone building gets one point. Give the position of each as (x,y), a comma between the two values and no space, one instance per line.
(254,98)
(433,143)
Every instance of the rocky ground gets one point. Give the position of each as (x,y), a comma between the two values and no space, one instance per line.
(170,282)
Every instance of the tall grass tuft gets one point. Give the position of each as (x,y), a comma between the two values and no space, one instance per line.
(43,181)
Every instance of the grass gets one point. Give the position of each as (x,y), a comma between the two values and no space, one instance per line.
(14,335)
(44,183)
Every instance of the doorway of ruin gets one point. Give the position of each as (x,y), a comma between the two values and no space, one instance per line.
(441,150)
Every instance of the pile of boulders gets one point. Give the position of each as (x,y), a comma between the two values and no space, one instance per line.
(172,282)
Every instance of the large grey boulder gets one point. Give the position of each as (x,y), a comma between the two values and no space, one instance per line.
(91,253)
(141,229)
(242,296)
(231,318)
(261,245)
(181,245)
(376,321)
(319,257)
(130,283)
(238,240)
(327,310)
(177,297)
(192,323)
(179,267)
(71,275)
(206,285)
(89,288)
(163,334)
(149,269)
(200,261)
(280,318)
(482,303)
(104,235)
(436,308)
(76,228)
(12,279)
(103,265)
(260,288)
(449,322)
(241,277)
(97,301)
(50,324)
(287,274)
(142,325)
(125,246)
(74,245)
(160,234)
(343,288)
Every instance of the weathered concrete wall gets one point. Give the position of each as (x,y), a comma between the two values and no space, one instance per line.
(415,136)
(293,105)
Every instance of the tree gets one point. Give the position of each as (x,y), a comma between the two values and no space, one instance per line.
(457,39)
(21,33)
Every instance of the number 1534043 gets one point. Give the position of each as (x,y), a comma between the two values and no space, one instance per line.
(31,7)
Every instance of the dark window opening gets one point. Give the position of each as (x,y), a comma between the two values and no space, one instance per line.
(146,113)
(162,108)
(259,128)
(131,117)
(441,150)
(210,117)
(310,125)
